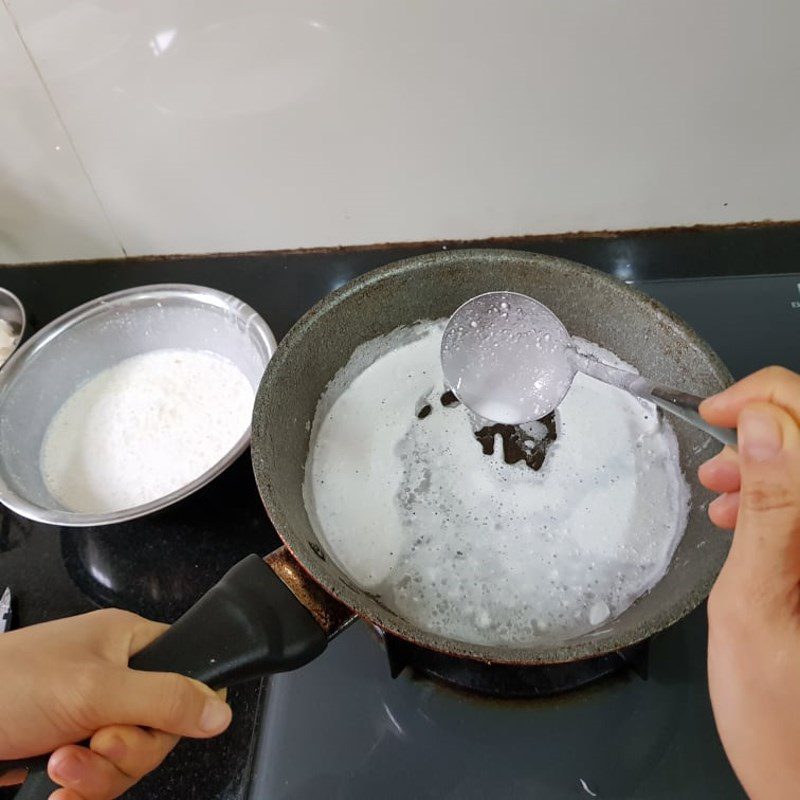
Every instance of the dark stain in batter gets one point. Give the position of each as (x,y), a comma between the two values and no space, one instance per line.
(448,399)
(514,438)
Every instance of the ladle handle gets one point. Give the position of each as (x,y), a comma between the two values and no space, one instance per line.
(681,404)
(247,625)
(686,406)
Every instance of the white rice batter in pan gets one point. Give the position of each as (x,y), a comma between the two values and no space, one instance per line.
(468,546)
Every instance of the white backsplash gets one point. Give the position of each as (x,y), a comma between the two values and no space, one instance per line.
(247,125)
(48,210)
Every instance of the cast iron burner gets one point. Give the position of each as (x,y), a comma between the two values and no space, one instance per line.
(506,680)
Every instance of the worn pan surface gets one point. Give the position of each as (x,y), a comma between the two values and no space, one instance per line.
(592,305)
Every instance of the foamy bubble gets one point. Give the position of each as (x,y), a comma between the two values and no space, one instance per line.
(465,545)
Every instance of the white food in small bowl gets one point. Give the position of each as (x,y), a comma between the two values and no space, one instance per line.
(8,340)
(143,428)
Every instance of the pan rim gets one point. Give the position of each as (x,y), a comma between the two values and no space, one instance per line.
(334,580)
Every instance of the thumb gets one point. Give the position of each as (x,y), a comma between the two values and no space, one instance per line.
(767,539)
(167,702)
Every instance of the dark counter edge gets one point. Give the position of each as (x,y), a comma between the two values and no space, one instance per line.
(765,247)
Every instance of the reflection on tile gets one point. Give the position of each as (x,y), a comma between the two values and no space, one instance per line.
(48,210)
(210,126)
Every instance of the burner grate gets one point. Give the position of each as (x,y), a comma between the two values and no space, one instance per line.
(511,680)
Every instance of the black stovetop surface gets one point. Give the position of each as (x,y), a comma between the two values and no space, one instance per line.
(159,566)
(343,728)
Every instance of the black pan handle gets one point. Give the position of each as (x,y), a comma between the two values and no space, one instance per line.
(247,625)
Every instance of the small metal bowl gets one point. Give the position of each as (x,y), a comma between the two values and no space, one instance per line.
(50,366)
(13,312)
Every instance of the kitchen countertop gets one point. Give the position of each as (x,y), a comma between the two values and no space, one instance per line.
(159,566)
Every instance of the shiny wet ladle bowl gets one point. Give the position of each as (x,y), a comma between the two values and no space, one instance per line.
(510,359)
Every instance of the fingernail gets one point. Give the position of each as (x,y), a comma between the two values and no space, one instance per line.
(719,461)
(112,748)
(707,464)
(760,435)
(717,502)
(215,717)
(713,400)
(12,777)
(67,767)
(709,401)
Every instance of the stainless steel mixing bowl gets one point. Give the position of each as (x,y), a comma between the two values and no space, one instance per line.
(50,366)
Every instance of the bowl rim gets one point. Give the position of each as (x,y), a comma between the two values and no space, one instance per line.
(16,363)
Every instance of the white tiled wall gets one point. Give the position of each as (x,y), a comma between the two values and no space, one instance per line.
(259,124)
(48,209)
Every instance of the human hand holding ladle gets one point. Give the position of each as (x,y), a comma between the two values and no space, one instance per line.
(510,359)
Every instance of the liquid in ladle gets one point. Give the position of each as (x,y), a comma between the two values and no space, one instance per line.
(505,356)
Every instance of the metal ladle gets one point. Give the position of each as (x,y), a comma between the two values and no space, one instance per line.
(510,359)
(12,312)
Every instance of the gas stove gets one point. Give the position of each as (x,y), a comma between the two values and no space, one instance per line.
(510,680)
(376,718)
(342,727)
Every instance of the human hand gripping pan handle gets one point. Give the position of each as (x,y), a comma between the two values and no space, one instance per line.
(248,625)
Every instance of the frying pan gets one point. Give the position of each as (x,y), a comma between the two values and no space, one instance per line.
(276,614)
